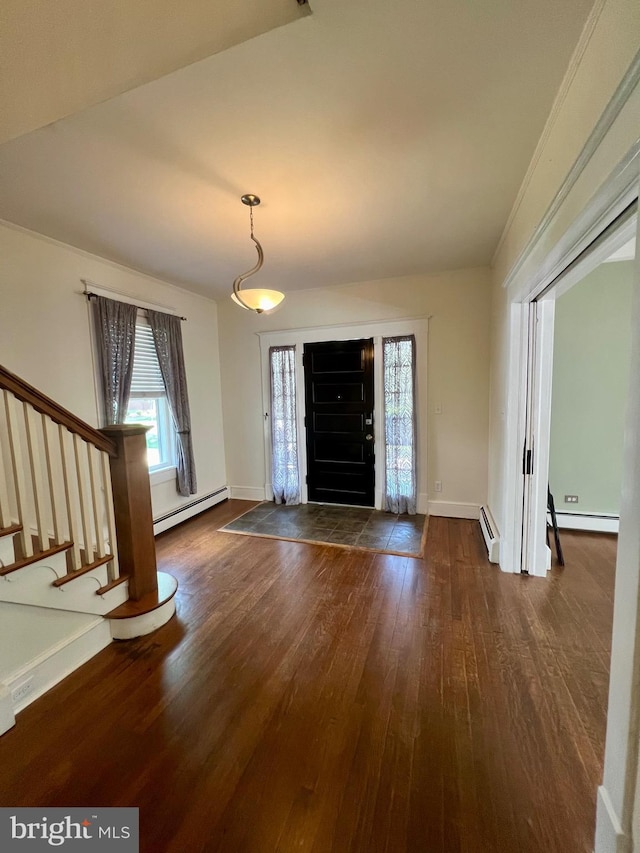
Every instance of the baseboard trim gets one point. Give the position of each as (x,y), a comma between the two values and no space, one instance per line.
(609,835)
(186,511)
(591,522)
(247,493)
(7,716)
(61,660)
(451,509)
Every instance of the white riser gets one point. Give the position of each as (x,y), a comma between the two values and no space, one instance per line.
(57,645)
(7,550)
(33,585)
(7,555)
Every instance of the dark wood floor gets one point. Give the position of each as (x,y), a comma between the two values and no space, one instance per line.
(310,698)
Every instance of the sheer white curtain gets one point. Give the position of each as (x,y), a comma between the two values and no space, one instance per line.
(284,434)
(398,364)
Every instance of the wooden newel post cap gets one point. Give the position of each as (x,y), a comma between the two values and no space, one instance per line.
(116,430)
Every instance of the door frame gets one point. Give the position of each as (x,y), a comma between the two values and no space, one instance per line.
(377,330)
(535,553)
(606,223)
(617,800)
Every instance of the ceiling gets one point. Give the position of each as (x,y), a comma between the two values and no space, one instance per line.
(384,138)
(58,58)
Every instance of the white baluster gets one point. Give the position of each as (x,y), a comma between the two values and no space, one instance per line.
(84,500)
(71,516)
(96,495)
(35,467)
(57,532)
(113,567)
(17,464)
(5,508)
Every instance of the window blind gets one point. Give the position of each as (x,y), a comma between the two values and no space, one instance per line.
(147,378)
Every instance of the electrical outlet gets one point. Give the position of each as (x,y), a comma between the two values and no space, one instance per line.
(21,691)
(571,499)
(438,485)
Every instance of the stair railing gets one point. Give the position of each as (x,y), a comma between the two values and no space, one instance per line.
(67,486)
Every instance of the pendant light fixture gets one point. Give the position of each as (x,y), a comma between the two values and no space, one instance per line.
(254,299)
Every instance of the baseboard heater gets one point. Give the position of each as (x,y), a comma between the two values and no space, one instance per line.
(491,538)
(186,511)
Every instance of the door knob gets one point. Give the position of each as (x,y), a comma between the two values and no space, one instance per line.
(368,436)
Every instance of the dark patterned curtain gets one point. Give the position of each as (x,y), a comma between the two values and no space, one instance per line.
(116,332)
(398,364)
(167,335)
(284,432)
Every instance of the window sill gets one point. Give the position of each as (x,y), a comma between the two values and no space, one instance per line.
(162,475)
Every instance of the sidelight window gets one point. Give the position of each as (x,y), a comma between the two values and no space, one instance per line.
(399,370)
(284,434)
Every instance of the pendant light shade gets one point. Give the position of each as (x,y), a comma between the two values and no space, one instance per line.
(259,300)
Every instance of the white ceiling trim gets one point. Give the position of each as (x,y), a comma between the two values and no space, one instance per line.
(576,60)
(613,109)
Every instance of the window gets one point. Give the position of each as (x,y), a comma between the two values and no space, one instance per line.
(148,401)
(398,365)
(284,435)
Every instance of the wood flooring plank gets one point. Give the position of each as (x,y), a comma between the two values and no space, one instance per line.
(323,700)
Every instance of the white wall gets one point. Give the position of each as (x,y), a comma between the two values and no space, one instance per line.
(458,374)
(591,358)
(546,208)
(45,339)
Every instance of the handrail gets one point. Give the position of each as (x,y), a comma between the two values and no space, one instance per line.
(89,488)
(41,403)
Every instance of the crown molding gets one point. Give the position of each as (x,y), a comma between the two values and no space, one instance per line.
(609,115)
(563,91)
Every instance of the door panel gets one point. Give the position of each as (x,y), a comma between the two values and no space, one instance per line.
(339,402)
(332,449)
(330,392)
(334,423)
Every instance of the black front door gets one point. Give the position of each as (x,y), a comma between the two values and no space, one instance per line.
(338,379)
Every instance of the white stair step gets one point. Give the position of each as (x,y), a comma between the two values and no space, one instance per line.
(7,550)
(7,554)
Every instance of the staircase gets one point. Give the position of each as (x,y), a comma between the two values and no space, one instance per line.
(77,552)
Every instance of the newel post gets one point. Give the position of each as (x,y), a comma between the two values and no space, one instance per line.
(132,506)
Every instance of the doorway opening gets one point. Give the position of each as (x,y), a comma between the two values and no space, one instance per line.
(577,370)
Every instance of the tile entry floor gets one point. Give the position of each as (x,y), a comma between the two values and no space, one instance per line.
(338,525)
